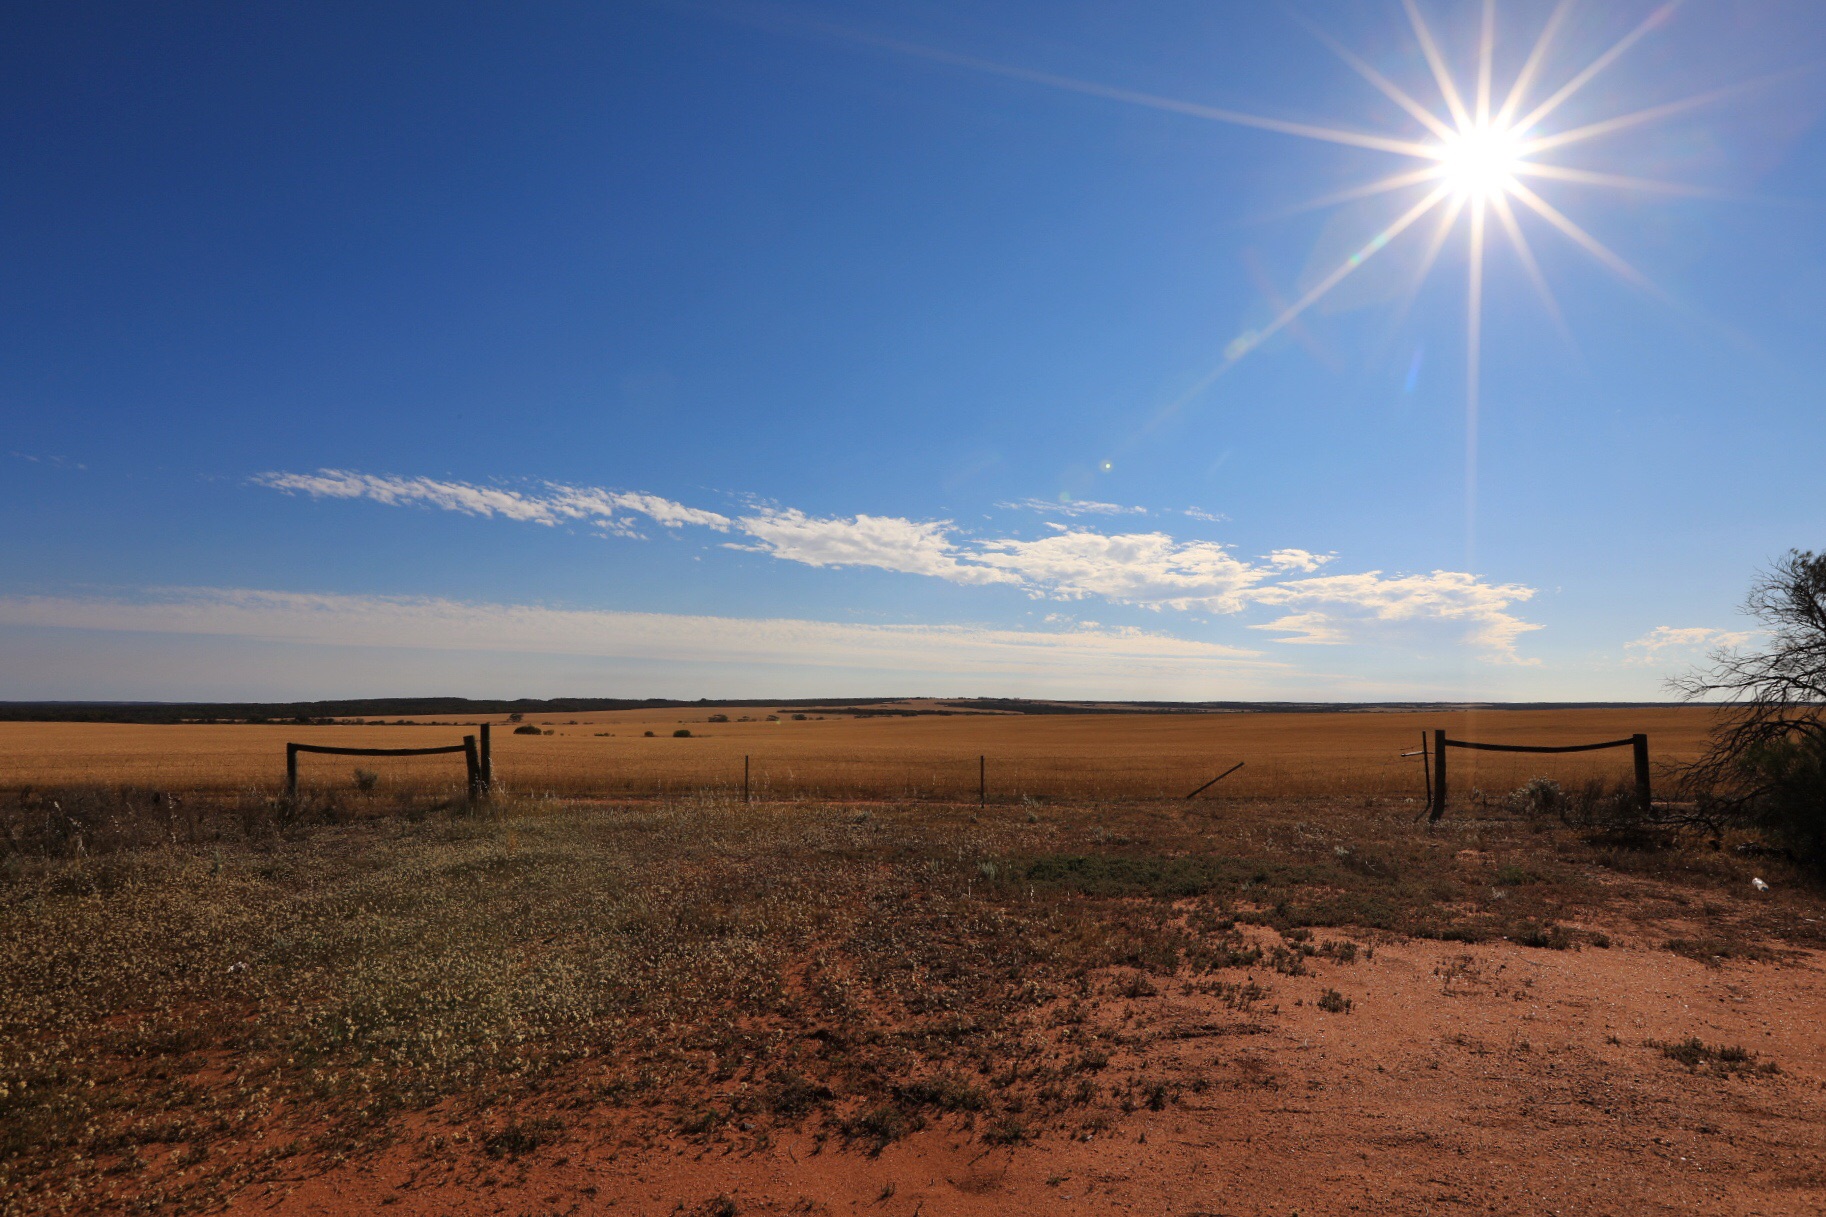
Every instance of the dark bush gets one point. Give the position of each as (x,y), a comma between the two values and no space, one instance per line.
(528,729)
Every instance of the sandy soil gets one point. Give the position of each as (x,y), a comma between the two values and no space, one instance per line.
(1475,1079)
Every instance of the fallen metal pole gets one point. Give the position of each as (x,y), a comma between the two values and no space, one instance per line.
(1214,781)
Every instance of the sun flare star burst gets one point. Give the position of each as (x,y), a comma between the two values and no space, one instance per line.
(1471,166)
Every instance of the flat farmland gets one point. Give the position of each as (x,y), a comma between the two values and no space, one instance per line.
(838,755)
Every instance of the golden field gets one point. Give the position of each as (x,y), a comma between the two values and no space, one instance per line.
(1057,756)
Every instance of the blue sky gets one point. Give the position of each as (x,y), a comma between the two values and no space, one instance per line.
(805,349)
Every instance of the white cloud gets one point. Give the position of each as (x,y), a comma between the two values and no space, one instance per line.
(560,504)
(1147,569)
(1668,643)
(1444,595)
(1297,559)
(1209,517)
(1073,507)
(1315,628)
(885,542)
(418,623)
(1151,570)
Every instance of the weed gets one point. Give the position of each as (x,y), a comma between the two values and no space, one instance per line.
(946,1092)
(883,1125)
(1333,1002)
(520,1137)
(791,1096)
(1712,951)
(1340,951)
(1720,1060)
(1548,936)
(1007,1130)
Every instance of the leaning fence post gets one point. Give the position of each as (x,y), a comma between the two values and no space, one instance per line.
(1639,745)
(488,762)
(472,761)
(1439,775)
(291,771)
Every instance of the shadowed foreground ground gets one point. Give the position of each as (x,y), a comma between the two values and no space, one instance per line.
(1258,1009)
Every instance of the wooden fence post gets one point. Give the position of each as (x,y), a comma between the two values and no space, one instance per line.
(291,771)
(1639,745)
(1426,769)
(488,761)
(1439,775)
(472,762)
(982,781)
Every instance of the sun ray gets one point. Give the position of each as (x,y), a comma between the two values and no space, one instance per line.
(1618,181)
(1134,97)
(1375,245)
(1387,87)
(1636,118)
(1430,49)
(1395,181)
(1448,219)
(1525,252)
(1596,248)
(1486,49)
(1598,65)
(1243,344)
(1525,77)
(1474,350)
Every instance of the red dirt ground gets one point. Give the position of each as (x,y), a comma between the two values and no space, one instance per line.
(1465,1079)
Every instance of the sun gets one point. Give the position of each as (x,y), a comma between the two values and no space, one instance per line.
(1474,160)
(1482,162)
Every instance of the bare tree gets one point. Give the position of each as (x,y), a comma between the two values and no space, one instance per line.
(1767,758)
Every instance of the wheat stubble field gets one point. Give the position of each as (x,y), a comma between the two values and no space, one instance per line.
(1078,999)
(839,755)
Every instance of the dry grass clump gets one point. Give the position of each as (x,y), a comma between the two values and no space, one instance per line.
(184,1013)
(1719,1060)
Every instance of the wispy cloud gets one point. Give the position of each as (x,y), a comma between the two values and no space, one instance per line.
(556,504)
(1668,643)
(1314,628)
(1209,517)
(1151,570)
(884,542)
(1073,507)
(55,462)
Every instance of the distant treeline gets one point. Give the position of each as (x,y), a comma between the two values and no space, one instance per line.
(463,707)
(367,707)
